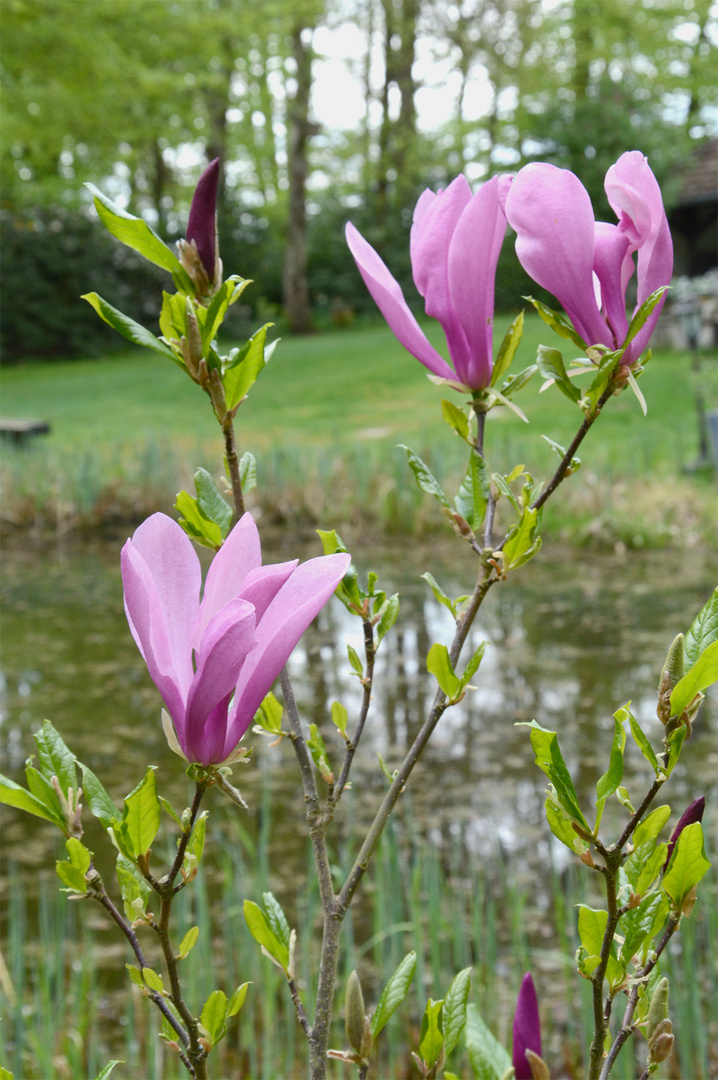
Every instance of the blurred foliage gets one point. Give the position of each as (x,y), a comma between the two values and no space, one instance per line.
(136,96)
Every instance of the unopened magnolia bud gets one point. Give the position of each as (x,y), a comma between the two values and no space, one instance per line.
(661,1048)
(354,1012)
(366,1040)
(672,673)
(658,1010)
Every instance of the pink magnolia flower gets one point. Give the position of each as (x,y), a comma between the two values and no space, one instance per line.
(456,238)
(587,264)
(527,1029)
(214,660)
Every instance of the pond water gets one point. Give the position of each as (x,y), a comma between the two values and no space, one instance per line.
(573,636)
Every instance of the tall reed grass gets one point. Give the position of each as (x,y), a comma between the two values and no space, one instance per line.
(69,1008)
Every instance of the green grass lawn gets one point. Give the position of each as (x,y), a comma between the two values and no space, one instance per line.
(352,394)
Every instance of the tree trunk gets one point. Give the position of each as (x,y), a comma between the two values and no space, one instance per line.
(295,288)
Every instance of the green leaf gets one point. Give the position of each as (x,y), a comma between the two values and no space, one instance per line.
(134,889)
(106,1069)
(561,452)
(276,918)
(137,234)
(675,744)
(424,478)
(228,292)
(355,662)
(12,794)
(173,322)
(431,1039)
(688,864)
(640,738)
(142,814)
(195,844)
(153,979)
(560,825)
(394,993)
(331,542)
(214,1013)
(55,758)
(211,503)
(651,826)
(316,747)
(340,718)
(241,375)
(602,378)
(236,1001)
(133,331)
(591,930)
(473,665)
(262,933)
(195,522)
(551,365)
(456,418)
(703,631)
(452,605)
(135,975)
(507,349)
(522,544)
(488,1058)
(502,483)
(100,804)
(611,779)
(188,942)
(636,924)
(702,674)
(557,322)
(473,495)
(170,810)
(72,873)
(644,865)
(248,472)
(453,1016)
(269,715)
(516,382)
(439,665)
(639,319)
(389,613)
(636,390)
(550,760)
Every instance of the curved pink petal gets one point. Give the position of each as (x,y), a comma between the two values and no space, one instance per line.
(175,571)
(434,222)
(527,1029)
(473,256)
(147,624)
(285,620)
(611,248)
(389,298)
(229,637)
(550,210)
(240,554)
(262,585)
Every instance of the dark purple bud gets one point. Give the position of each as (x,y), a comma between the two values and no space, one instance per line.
(527,1028)
(201,226)
(688,817)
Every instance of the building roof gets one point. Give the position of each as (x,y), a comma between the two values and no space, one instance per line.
(700,176)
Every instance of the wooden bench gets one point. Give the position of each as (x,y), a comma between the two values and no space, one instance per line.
(19,432)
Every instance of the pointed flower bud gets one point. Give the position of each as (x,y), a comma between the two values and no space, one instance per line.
(527,1029)
(671,675)
(689,816)
(658,1009)
(199,253)
(354,1012)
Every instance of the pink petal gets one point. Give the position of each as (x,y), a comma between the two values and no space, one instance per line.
(473,256)
(527,1028)
(551,212)
(390,300)
(285,620)
(611,247)
(228,639)
(435,218)
(171,674)
(262,585)
(240,554)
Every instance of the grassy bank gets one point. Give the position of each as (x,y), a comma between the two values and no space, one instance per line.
(324,420)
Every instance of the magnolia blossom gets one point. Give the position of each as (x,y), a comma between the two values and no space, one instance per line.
(456,238)
(586,264)
(527,1029)
(690,816)
(214,660)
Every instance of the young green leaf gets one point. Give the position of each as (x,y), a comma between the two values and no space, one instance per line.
(133,331)
(195,522)
(55,758)
(551,365)
(644,865)
(636,925)
(211,502)
(340,718)
(236,1001)
(276,918)
(134,889)
(142,814)
(241,374)
(137,234)
(557,322)
(262,933)
(389,612)
(248,471)
(105,1071)
(188,942)
(639,737)
(439,665)
(639,319)
(550,760)
(507,349)
(488,1058)
(153,979)
(701,675)
(453,1014)
(703,631)
(431,1039)
(473,495)
(452,605)
(269,715)
(424,477)
(394,993)
(561,452)
(12,794)
(228,292)
(611,779)
(214,1013)
(688,864)
(357,666)
(101,805)
(72,873)
(456,418)
(523,543)
(651,826)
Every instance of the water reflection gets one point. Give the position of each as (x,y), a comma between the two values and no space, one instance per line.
(571,640)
